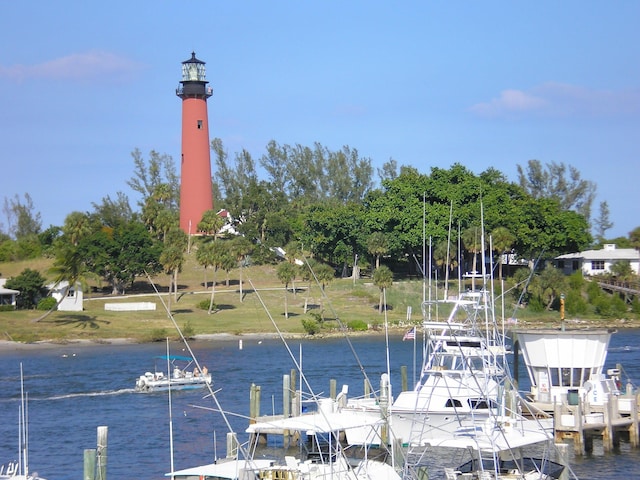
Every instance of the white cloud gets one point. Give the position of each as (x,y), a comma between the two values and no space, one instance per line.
(510,101)
(559,99)
(89,66)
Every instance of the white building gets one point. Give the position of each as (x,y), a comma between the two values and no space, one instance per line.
(597,262)
(73,300)
(7,295)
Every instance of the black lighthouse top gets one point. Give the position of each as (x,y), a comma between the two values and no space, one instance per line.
(194,82)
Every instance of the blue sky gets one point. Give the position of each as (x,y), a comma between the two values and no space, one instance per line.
(484,84)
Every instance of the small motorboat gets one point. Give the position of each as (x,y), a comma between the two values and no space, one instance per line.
(182,375)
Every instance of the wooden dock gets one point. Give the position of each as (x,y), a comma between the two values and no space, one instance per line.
(614,421)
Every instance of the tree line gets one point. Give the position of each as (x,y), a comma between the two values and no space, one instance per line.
(324,204)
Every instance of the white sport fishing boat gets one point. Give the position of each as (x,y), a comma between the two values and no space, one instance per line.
(461,378)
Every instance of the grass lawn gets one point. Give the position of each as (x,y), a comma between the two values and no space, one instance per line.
(259,309)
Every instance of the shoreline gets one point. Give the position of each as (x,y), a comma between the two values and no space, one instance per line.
(8,345)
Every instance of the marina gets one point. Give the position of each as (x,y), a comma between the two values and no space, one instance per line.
(67,404)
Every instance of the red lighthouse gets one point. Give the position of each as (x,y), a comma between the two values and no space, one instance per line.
(195,169)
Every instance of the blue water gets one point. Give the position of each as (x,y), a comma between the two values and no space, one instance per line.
(72,390)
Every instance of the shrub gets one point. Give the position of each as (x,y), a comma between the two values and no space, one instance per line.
(187,330)
(310,326)
(47,303)
(358,325)
(204,304)
(158,335)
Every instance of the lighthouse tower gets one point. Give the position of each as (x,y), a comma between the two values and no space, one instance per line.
(195,168)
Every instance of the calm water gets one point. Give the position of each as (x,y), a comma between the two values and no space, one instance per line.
(74,389)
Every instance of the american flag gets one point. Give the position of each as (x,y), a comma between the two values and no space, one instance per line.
(410,335)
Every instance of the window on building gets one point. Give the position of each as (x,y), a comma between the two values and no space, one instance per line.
(597,265)
(199,124)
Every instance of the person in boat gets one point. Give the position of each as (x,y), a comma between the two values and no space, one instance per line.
(205,370)
(196,372)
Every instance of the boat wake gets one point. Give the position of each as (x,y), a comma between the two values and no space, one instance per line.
(92,394)
(625,348)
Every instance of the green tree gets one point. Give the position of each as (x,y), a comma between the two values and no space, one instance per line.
(324,274)
(77,226)
(121,254)
(444,256)
(622,271)
(383,279)
(377,245)
(31,286)
(634,237)
(293,253)
(501,240)
(216,255)
(69,269)
(211,223)
(472,241)
(559,182)
(241,248)
(603,222)
(549,285)
(172,259)
(114,212)
(286,272)
(149,174)
(22,218)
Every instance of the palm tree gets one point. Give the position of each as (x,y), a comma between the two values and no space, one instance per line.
(444,256)
(307,273)
(286,273)
(204,257)
(241,248)
(501,240)
(211,223)
(77,225)
(292,251)
(383,279)
(172,258)
(212,254)
(472,243)
(69,267)
(325,275)
(378,245)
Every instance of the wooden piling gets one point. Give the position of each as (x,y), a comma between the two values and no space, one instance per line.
(101,453)
(563,459)
(403,376)
(633,429)
(90,464)
(286,405)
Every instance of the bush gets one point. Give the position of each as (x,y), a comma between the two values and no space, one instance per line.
(358,325)
(187,330)
(575,305)
(204,304)
(536,305)
(310,326)
(158,334)
(47,303)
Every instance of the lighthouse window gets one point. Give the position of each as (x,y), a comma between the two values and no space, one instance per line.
(199,124)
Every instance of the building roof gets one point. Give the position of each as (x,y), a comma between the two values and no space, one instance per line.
(614,254)
(8,291)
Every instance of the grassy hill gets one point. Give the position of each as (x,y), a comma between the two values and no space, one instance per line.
(259,309)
